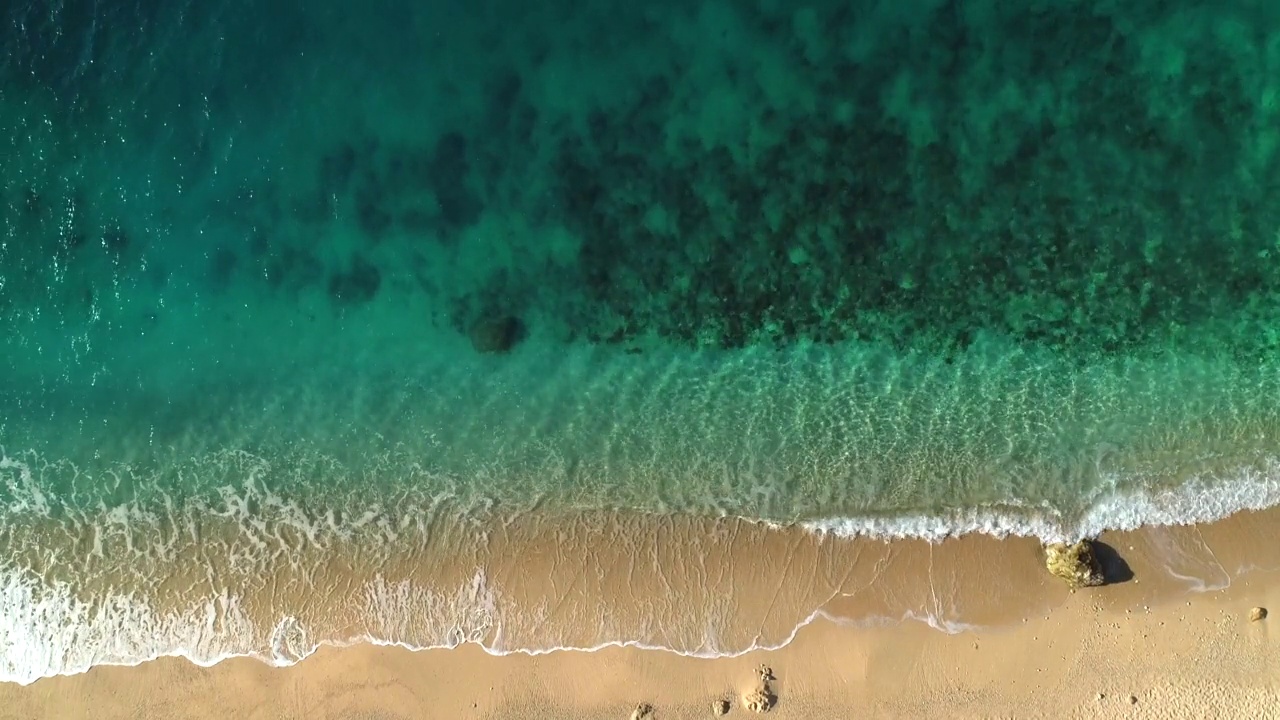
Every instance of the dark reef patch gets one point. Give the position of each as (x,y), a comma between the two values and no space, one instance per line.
(222,267)
(507,130)
(1015,175)
(410,189)
(337,169)
(32,203)
(75,239)
(357,284)
(371,213)
(291,268)
(1101,230)
(116,239)
(449,174)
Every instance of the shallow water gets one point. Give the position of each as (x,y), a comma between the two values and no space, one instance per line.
(315,293)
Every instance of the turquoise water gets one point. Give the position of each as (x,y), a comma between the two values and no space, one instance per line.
(300,278)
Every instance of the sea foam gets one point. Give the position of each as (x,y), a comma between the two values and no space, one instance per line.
(1197,501)
(47,629)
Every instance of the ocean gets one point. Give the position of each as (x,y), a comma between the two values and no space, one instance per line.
(325,323)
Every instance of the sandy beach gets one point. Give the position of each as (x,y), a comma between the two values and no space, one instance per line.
(1170,637)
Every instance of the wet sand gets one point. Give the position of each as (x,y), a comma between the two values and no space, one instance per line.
(1170,637)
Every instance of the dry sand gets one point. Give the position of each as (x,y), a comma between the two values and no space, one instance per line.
(1174,640)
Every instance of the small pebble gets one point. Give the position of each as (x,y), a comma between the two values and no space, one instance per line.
(1258,613)
(1133,699)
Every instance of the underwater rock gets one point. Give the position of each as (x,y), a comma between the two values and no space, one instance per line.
(1258,613)
(1077,564)
(720,707)
(496,334)
(643,711)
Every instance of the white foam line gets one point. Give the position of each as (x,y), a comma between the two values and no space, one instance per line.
(1197,501)
(206,661)
(38,629)
(41,665)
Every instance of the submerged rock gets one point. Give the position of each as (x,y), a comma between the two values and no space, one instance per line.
(720,707)
(643,711)
(1077,564)
(496,334)
(1258,613)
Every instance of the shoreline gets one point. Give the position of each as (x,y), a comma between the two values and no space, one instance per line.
(1149,635)
(484,590)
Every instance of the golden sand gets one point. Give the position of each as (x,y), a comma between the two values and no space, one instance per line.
(1170,637)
